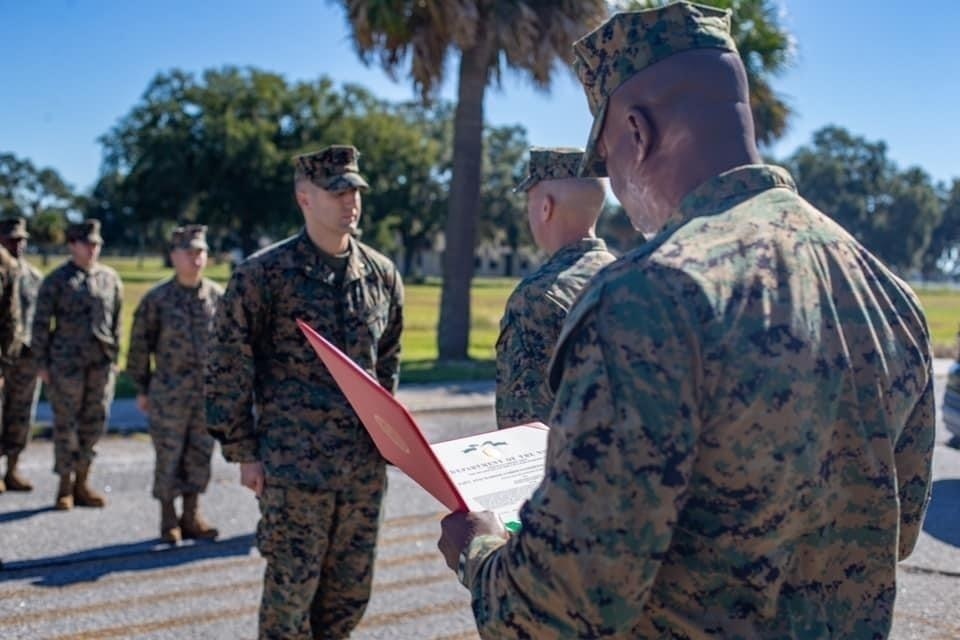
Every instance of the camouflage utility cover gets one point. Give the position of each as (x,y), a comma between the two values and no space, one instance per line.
(86,231)
(334,168)
(14,228)
(559,163)
(630,42)
(193,236)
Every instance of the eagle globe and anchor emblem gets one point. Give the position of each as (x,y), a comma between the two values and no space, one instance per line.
(488,448)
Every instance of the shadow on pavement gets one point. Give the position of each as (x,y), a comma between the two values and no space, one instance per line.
(943,514)
(23,514)
(92,564)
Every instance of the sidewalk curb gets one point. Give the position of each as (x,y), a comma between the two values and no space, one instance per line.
(420,399)
(424,399)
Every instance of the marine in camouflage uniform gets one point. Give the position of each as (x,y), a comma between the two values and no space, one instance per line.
(276,409)
(171,325)
(951,396)
(743,427)
(20,388)
(76,342)
(562,211)
(11,335)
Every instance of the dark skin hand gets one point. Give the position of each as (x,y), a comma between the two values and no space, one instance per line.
(458,529)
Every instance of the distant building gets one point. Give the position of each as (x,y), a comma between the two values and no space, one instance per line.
(490,260)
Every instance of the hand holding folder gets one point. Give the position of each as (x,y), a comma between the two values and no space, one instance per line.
(495,471)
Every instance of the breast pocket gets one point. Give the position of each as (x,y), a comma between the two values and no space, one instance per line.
(376,319)
(176,319)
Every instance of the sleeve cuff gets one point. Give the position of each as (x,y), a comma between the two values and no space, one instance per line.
(240,451)
(474,556)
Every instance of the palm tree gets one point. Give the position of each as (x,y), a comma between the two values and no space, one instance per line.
(490,36)
(766,49)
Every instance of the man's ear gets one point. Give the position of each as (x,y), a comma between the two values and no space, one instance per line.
(302,198)
(547,208)
(641,132)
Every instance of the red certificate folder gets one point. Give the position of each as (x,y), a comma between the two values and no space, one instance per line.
(402,442)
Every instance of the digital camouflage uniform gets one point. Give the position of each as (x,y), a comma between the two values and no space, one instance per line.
(172,325)
(537,307)
(270,399)
(950,408)
(11,338)
(11,335)
(20,388)
(742,434)
(78,351)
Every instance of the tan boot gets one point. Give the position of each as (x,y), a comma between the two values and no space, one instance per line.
(83,495)
(13,480)
(192,524)
(65,493)
(169,528)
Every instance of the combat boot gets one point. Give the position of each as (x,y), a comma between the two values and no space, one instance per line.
(192,523)
(13,480)
(169,527)
(65,493)
(83,495)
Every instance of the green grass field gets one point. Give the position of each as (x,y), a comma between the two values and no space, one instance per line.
(422,312)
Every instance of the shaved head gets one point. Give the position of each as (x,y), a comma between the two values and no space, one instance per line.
(674,125)
(578,198)
(564,211)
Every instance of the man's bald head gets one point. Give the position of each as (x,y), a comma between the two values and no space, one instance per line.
(672,126)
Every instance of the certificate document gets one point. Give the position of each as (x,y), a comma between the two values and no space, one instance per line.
(494,471)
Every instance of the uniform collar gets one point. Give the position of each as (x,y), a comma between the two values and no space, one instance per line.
(308,256)
(578,248)
(78,269)
(202,290)
(727,189)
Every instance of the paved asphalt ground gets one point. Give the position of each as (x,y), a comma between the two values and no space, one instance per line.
(103,574)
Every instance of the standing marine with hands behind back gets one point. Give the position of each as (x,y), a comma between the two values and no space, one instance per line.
(277,411)
(76,341)
(19,370)
(743,429)
(562,210)
(172,325)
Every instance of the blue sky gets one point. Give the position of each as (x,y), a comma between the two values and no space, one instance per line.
(70,68)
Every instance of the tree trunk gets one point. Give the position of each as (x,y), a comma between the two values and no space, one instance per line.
(453,332)
(409,242)
(248,239)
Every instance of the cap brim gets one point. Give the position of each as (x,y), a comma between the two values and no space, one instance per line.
(526,184)
(344,181)
(17,236)
(592,165)
(198,244)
